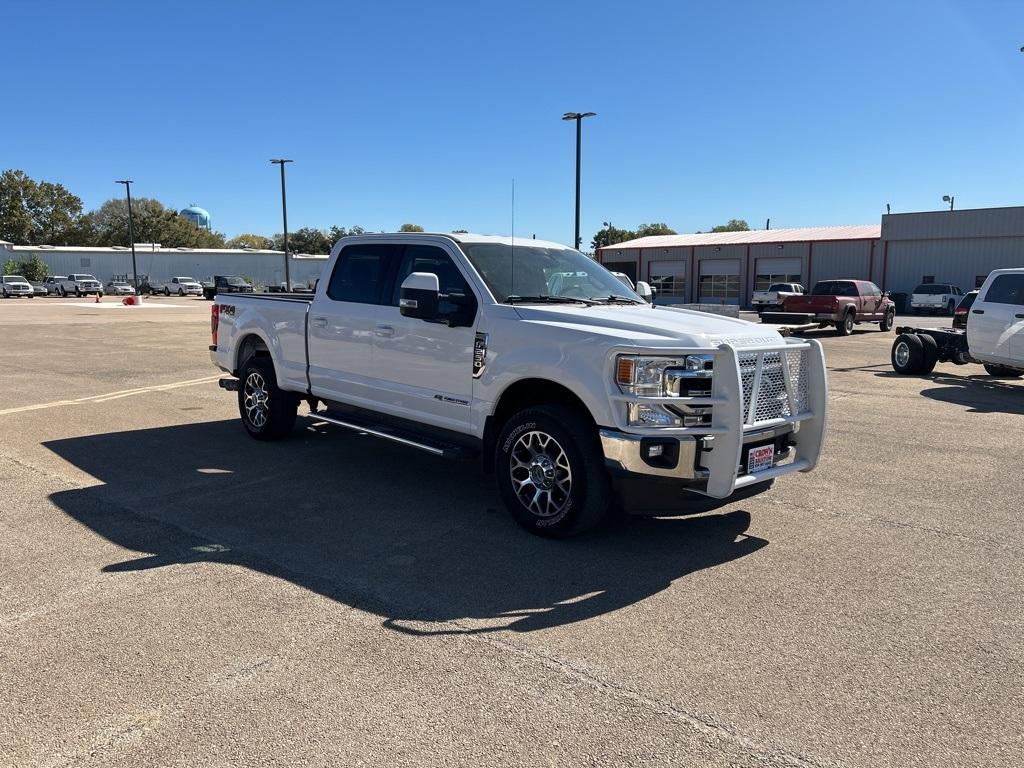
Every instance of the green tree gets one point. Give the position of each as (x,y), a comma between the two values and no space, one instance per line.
(335,233)
(611,235)
(305,240)
(37,213)
(733,225)
(153,223)
(660,228)
(34,270)
(10,267)
(248,240)
(410,228)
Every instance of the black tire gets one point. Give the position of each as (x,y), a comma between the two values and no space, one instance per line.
(951,308)
(931,353)
(845,326)
(78,293)
(181,292)
(907,354)
(268,413)
(167,291)
(887,321)
(1002,371)
(536,447)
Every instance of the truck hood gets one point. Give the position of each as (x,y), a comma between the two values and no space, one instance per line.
(648,326)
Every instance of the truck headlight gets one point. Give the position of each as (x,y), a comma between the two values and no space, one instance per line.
(649,376)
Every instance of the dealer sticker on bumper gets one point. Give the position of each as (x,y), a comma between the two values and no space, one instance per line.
(760,458)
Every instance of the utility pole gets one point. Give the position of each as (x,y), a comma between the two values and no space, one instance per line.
(284,217)
(131,230)
(578,117)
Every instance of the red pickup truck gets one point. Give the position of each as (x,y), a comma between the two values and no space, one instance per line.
(839,303)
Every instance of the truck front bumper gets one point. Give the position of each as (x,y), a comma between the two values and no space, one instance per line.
(774,395)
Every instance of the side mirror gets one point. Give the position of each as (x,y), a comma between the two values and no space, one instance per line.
(644,291)
(419,296)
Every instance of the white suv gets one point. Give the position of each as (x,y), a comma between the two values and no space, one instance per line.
(935,297)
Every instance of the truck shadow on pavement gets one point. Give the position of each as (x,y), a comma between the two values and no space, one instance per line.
(418,540)
(979,393)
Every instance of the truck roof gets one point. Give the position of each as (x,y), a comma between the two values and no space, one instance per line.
(468,237)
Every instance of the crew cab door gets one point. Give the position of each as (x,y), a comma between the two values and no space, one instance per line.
(995,327)
(424,369)
(873,301)
(342,320)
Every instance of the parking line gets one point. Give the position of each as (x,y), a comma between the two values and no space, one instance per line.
(111,395)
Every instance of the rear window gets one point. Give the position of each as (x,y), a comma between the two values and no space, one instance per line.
(1006,289)
(967,301)
(781,287)
(360,273)
(932,289)
(834,288)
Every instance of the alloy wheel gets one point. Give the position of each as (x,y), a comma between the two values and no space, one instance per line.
(541,475)
(256,399)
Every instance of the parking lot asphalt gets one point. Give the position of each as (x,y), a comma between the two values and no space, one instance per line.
(177,594)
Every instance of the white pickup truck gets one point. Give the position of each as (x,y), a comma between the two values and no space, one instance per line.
(577,398)
(994,335)
(775,296)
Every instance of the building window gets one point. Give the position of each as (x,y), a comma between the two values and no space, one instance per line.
(979,280)
(764,282)
(720,286)
(668,278)
(928,279)
(86,262)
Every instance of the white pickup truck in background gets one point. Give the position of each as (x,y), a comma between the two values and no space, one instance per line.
(576,397)
(994,335)
(775,296)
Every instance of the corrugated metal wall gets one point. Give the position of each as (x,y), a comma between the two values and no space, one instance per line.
(841,259)
(265,268)
(957,261)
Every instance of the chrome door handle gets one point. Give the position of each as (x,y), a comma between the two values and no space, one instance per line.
(385,331)
(320,322)
(1020,316)
(978,311)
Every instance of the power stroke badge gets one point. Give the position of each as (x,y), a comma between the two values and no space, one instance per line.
(479,354)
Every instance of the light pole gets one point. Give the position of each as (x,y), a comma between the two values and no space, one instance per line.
(948,199)
(131,230)
(284,216)
(578,117)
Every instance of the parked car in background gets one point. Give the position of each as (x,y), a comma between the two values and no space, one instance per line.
(994,335)
(75,285)
(775,296)
(839,303)
(39,289)
(182,286)
(935,298)
(960,313)
(120,288)
(14,286)
(225,284)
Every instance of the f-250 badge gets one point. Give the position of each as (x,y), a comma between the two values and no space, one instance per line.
(479,354)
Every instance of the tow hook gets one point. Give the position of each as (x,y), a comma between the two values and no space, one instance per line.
(231,385)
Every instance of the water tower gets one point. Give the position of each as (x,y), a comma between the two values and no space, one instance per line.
(198,216)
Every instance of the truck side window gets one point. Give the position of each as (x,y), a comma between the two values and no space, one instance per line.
(1006,289)
(429,258)
(361,272)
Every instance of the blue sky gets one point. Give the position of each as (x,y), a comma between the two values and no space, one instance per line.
(809,113)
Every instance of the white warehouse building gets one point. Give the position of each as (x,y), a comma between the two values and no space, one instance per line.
(155,262)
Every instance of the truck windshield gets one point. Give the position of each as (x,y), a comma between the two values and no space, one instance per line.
(834,288)
(932,290)
(530,271)
(14,279)
(235,281)
(184,280)
(780,287)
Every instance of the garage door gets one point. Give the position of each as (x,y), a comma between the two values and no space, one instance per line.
(668,279)
(625,267)
(719,281)
(768,271)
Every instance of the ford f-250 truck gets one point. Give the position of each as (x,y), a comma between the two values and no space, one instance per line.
(839,303)
(535,358)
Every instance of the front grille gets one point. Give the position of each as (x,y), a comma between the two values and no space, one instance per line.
(773,395)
